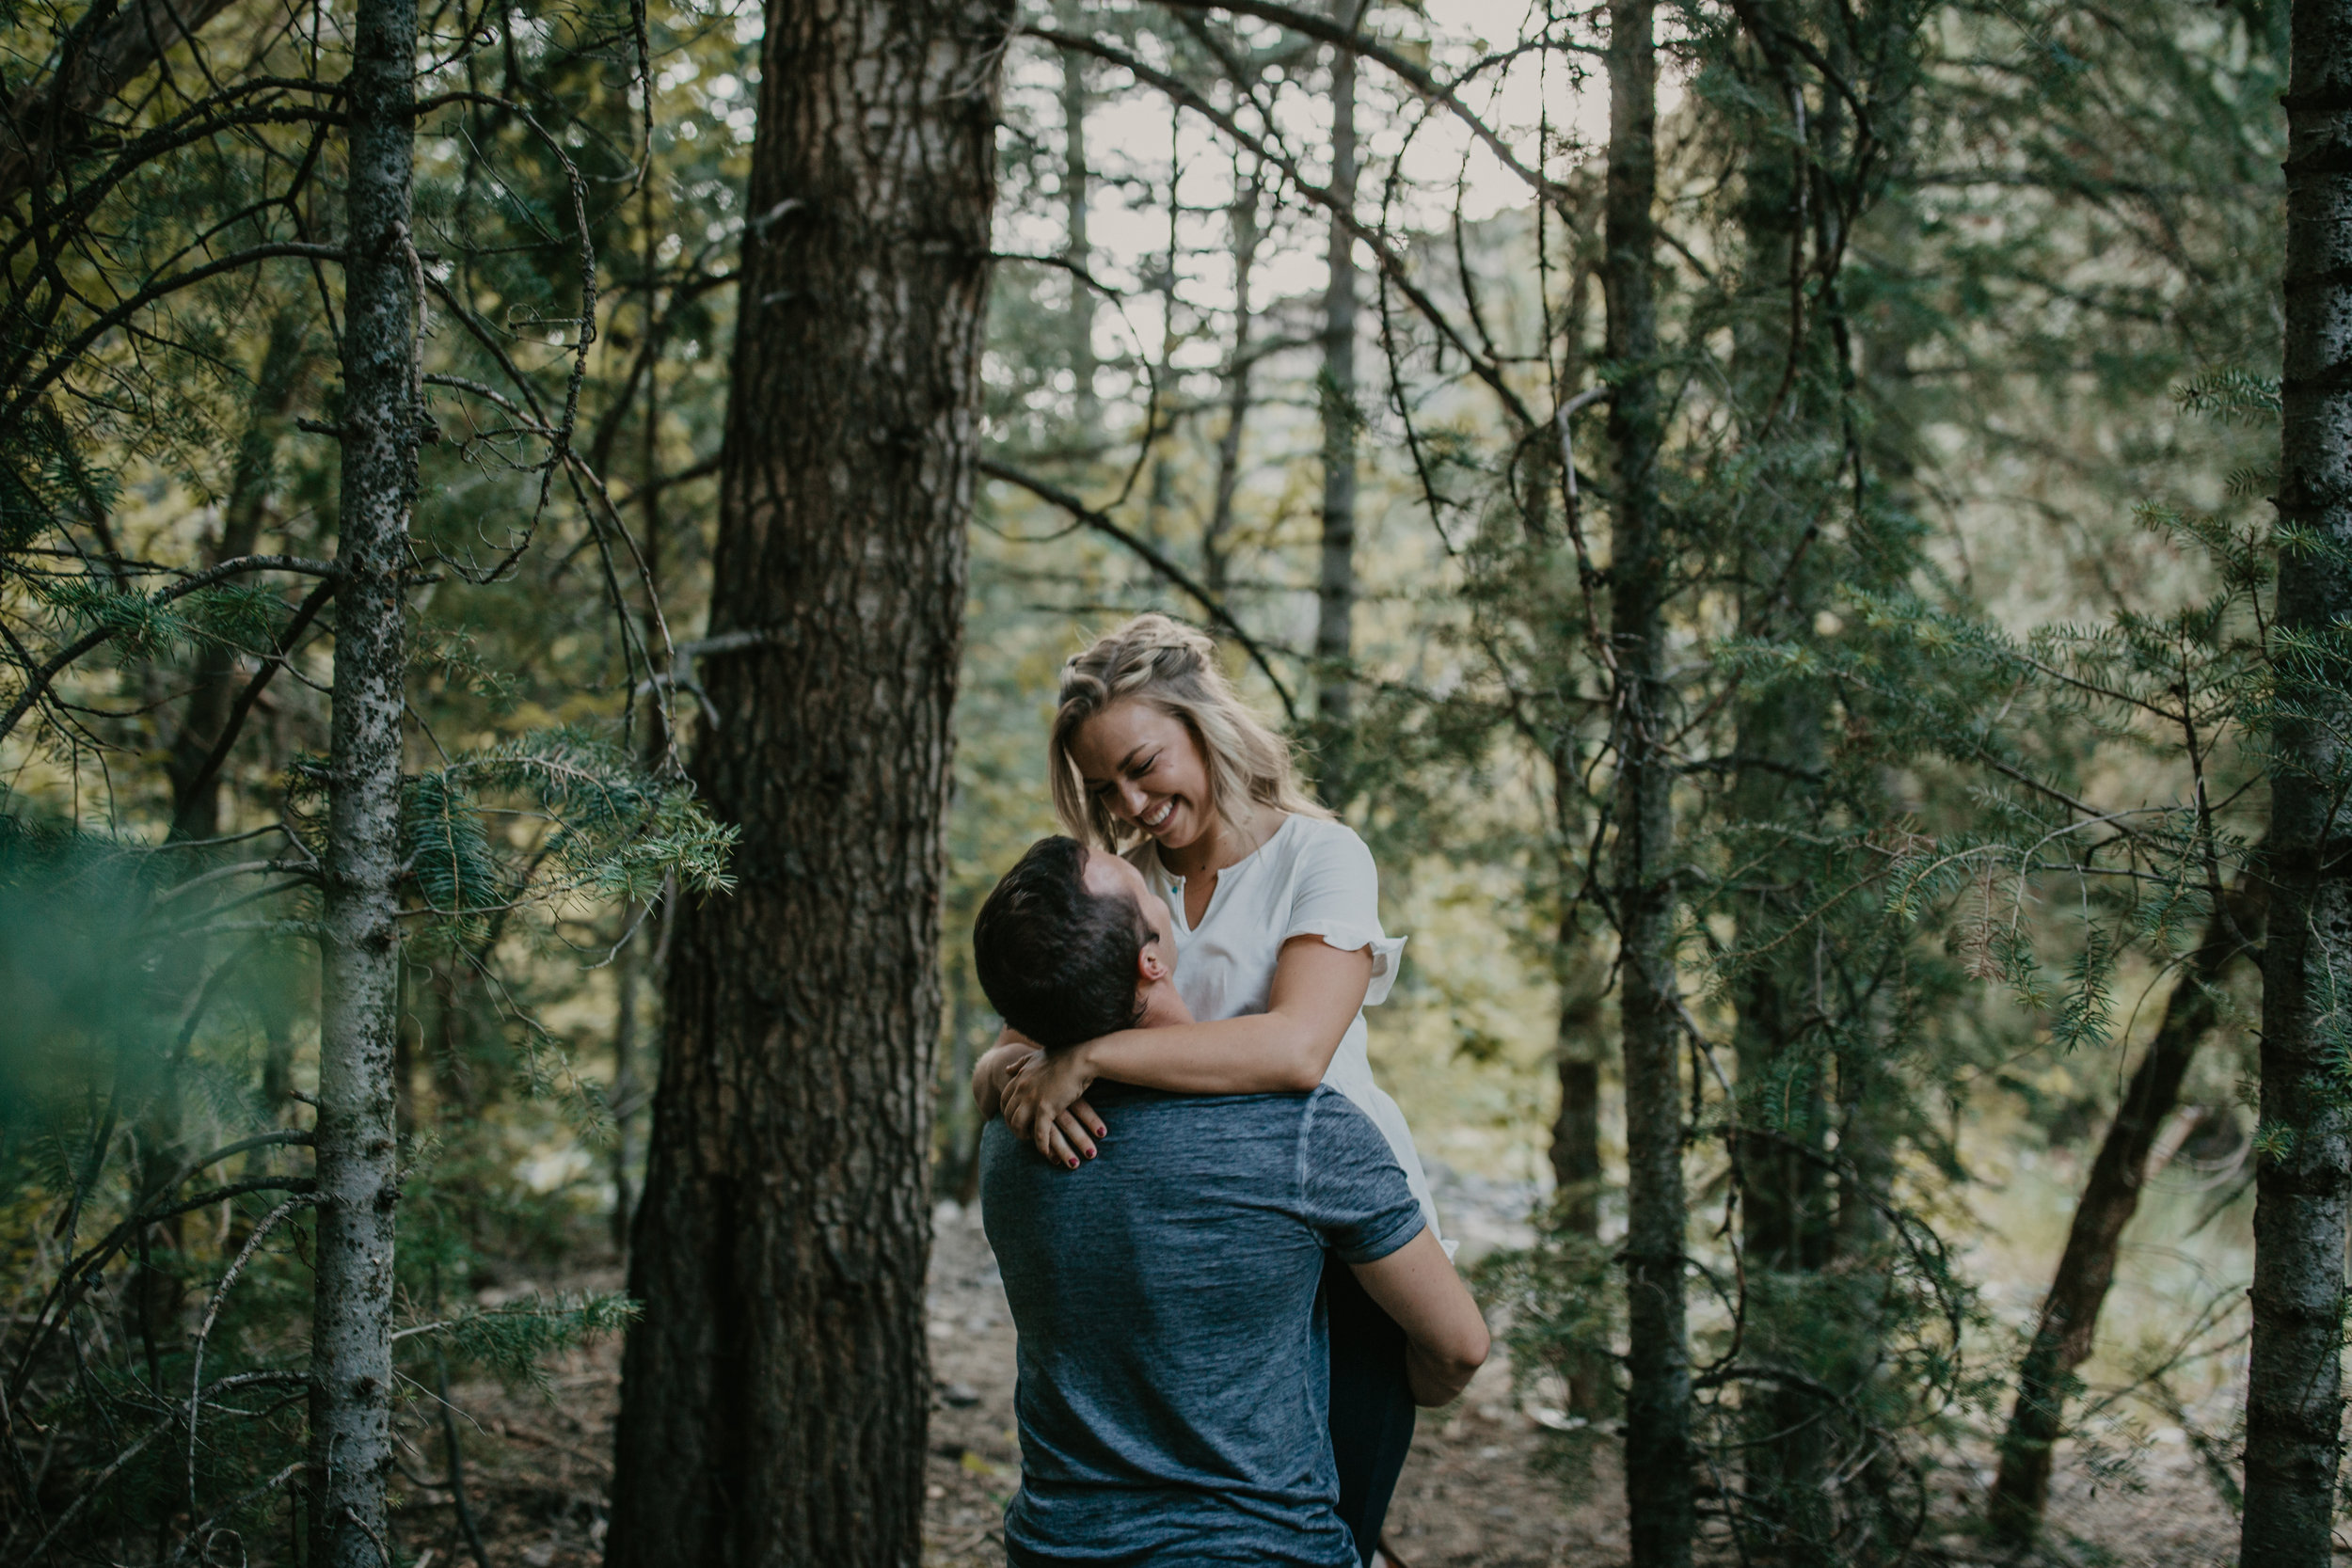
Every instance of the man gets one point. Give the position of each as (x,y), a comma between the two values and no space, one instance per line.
(1173,1365)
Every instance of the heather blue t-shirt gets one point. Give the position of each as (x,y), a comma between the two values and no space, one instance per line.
(1174,1372)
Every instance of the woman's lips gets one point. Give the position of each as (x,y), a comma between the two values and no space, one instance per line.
(1152,821)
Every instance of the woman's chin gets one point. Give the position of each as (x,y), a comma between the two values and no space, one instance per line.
(1174,833)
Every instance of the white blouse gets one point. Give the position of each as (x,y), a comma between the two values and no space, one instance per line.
(1312,878)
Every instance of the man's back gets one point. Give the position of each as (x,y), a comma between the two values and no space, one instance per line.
(1173,1368)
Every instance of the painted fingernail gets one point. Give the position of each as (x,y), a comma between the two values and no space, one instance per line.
(1089,1155)
(1073,1162)
(1101,1132)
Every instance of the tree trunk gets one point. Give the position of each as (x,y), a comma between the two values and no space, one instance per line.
(1658,1456)
(351,1351)
(195,789)
(1576,1131)
(2303,1176)
(775,1395)
(2069,1313)
(1215,559)
(1077,182)
(1335,598)
(1788,1227)
(624,1080)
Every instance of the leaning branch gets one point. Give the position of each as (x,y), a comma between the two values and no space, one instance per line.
(1053,494)
(235,725)
(103,54)
(38,687)
(1324,30)
(1392,265)
(71,354)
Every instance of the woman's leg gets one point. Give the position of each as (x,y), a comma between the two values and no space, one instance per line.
(1372,1406)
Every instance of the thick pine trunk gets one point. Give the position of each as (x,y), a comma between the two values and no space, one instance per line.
(2303,1180)
(351,1352)
(775,1394)
(2069,1322)
(1335,598)
(1658,1458)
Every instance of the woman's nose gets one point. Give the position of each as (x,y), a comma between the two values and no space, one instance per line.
(1131,801)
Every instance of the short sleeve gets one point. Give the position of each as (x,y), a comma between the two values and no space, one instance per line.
(1352,1190)
(1335,895)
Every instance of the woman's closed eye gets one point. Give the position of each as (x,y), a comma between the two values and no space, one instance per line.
(1136,774)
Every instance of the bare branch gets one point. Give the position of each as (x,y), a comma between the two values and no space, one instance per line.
(1054,495)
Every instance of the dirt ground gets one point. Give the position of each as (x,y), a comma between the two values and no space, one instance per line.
(1471,1496)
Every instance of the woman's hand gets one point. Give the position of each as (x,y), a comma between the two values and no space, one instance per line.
(996,1069)
(1044,1104)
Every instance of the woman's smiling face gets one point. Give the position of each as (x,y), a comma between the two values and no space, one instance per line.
(1146,769)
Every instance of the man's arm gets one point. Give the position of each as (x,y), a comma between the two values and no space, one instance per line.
(1445,1337)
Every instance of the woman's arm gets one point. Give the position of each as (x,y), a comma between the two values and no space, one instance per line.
(996,1069)
(1000,1066)
(1317,991)
(1445,1334)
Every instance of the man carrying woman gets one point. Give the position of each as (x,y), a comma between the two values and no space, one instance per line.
(1173,1336)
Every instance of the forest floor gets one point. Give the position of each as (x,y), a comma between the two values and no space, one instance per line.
(1473,1493)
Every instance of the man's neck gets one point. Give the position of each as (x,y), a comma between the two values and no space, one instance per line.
(1162,1007)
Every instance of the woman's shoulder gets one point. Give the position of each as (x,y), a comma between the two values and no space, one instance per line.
(1322,841)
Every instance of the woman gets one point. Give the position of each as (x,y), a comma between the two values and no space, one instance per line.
(1279,951)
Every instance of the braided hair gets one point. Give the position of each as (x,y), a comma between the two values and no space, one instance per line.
(1162,661)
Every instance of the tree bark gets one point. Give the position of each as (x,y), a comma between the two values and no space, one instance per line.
(2303,1175)
(1658,1456)
(2069,1324)
(351,1366)
(1215,558)
(196,787)
(1335,597)
(1077,185)
(775,1395)
(624,1082)
(1576,1172)
(1787,1225)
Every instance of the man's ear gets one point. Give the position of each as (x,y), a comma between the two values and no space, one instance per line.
(1152,963)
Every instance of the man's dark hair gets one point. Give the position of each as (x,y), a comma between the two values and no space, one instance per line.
(1058,962)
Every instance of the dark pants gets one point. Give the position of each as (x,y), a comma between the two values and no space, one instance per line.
(1372,1406)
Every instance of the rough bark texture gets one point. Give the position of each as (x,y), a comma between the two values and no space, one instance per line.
(2303,1180)
(774,1396)
(1657,1454)
(2068,1327)
(351,1355)
(1335,598)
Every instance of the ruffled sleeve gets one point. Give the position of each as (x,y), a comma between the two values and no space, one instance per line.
(1335,895)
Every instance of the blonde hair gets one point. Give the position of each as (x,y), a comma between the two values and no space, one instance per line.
(1159,661)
